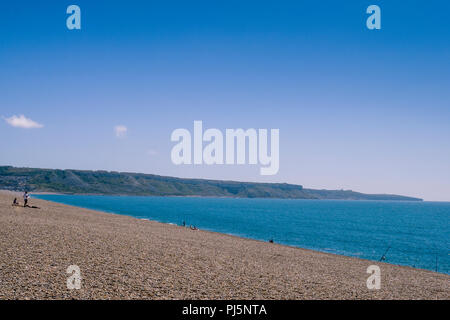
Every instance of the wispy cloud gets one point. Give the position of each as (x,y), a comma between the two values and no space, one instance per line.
(22,122)
(121,131)
(152,152)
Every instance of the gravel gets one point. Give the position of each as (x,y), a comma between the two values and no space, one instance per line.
(121,257)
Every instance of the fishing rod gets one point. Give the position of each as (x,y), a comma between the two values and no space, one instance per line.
(383,257)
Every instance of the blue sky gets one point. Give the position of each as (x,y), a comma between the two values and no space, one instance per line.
(367,110)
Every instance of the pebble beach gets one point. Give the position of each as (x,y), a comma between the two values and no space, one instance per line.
(121,257)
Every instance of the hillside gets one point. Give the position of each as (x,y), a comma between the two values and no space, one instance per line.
(125,183)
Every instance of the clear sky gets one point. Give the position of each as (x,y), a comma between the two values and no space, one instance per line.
(367,110)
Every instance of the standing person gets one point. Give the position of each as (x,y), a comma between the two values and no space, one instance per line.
(25,198)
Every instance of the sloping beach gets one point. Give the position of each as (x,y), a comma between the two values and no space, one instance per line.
(121,257)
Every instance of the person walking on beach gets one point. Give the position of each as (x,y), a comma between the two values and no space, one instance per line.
(25,199)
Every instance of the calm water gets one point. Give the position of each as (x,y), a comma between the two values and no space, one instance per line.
(416,232)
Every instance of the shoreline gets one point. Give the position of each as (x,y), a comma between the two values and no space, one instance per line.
(218,197)
(244,237)
(202,185)
(122,257)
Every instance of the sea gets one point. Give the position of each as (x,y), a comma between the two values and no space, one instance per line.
(409,233)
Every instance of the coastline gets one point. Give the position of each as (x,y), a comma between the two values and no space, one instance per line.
(122,257)
(236,235)
(211,197)
(98,182)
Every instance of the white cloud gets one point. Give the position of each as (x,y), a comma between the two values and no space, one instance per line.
(152,152)
(121,131)
(22,122)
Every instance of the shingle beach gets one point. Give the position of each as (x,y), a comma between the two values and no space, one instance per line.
(121,257)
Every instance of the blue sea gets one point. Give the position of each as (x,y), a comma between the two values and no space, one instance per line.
(415,234)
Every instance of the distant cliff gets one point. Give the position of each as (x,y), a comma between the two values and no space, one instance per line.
(125,183)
